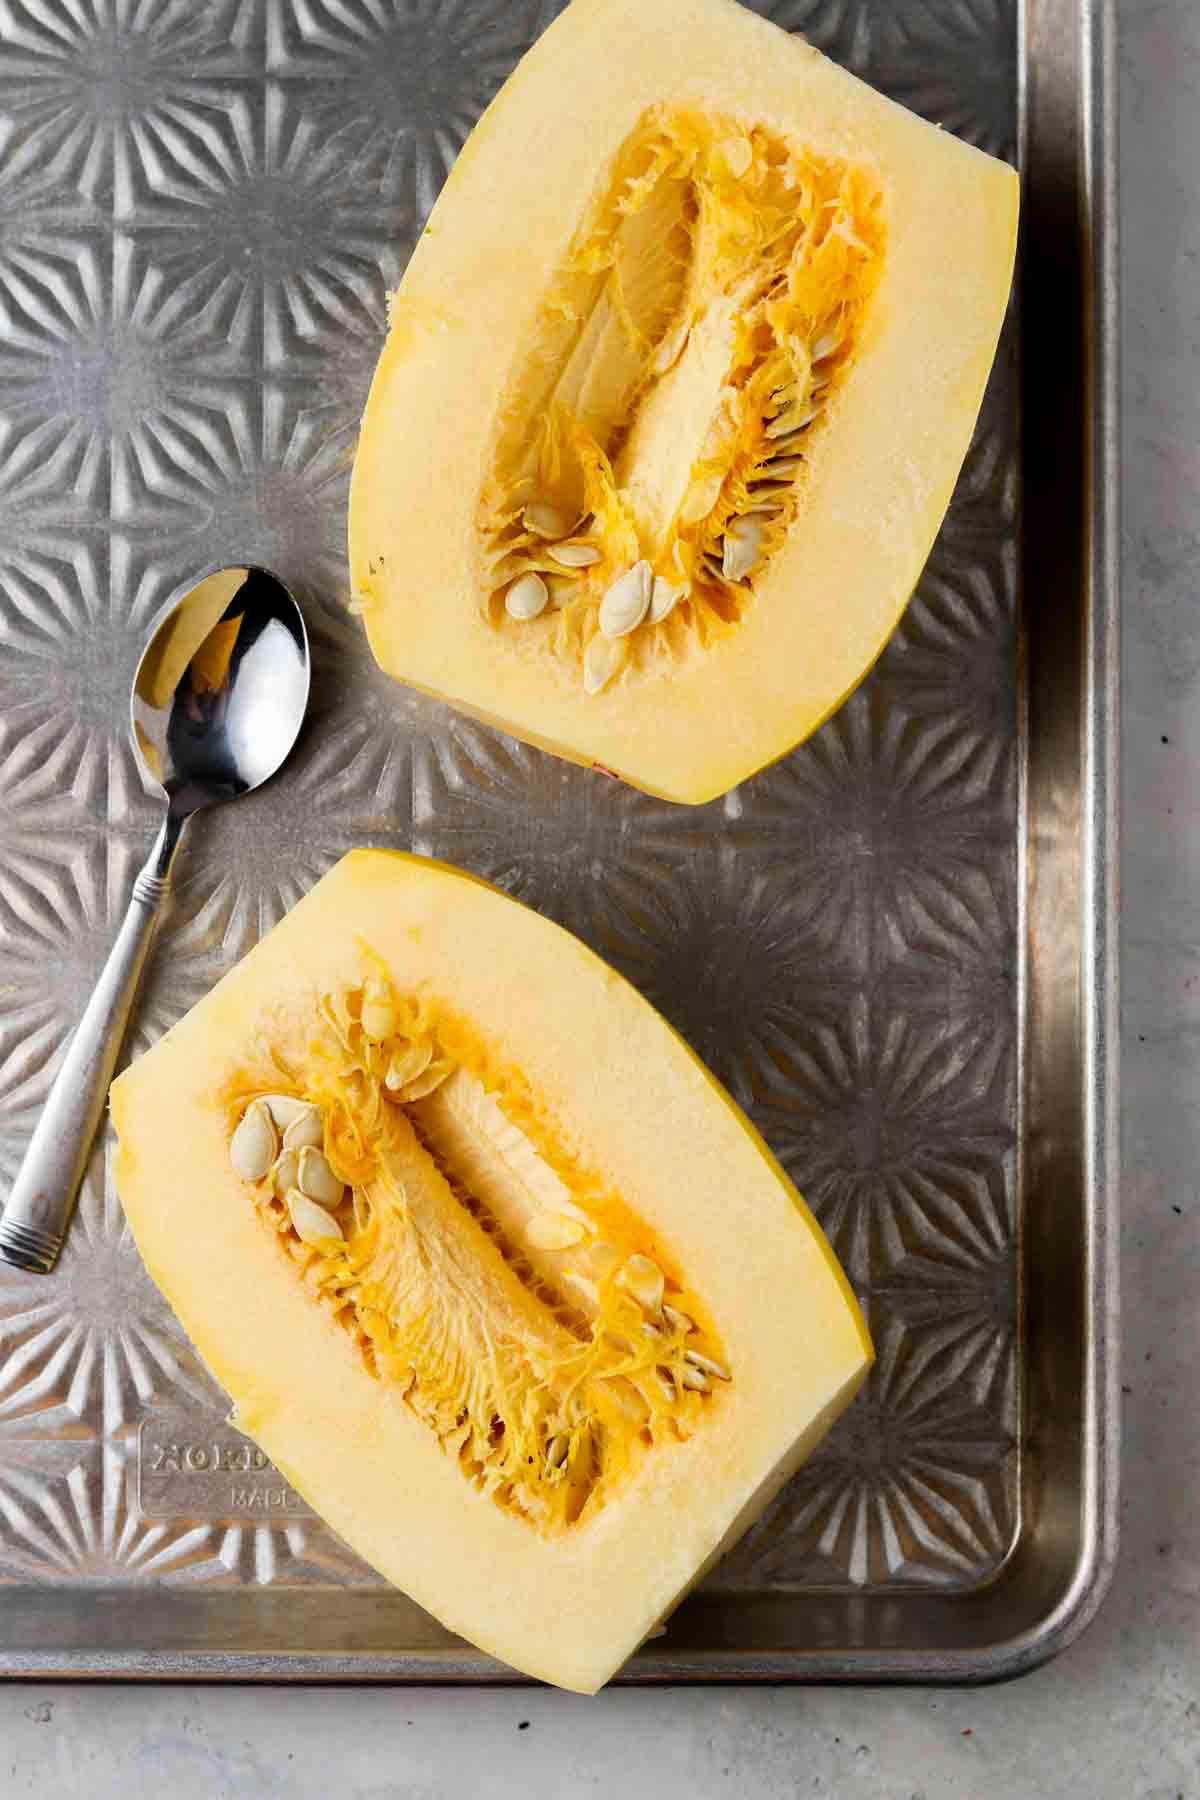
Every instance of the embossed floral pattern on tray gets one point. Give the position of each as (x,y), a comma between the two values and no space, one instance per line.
(202,208)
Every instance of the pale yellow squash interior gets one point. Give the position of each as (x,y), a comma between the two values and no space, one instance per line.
(672,389)
(677,386)
(480,1252)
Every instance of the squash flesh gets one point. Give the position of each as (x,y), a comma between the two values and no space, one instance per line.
(713,305)
(569,1598)
(881,468)
(530,1361)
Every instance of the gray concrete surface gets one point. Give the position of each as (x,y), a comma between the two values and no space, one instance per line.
(1116,1718)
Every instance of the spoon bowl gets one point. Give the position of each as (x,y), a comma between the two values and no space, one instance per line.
(221,689)
(218,701)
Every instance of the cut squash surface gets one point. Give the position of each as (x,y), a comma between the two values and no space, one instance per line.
(491,1268)
(677,386)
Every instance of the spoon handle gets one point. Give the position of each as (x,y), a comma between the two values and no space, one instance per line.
(39,1205)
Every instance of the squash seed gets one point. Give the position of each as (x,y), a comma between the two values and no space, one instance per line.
(796,418)
(790,445)
(254,1146)
(545,521)
(693,1378)
(602,659)
(406,1065)
(284,1108)
(317,1180)
(432,1077)
(701,497)
(313,1224)
(556,1450)
(562,588)
(625,604)
(679,1321)
(286,1172)
(527,597)
(643,1279)
(307,1130)
(378,1013)
(664,596)
(553,1231)
(826,344)
(706,1364)
(743,547)
(575,555)
(766,497)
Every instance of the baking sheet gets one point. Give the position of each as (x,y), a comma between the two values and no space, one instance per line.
(894,947)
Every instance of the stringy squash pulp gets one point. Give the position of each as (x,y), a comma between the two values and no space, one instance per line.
(676,390)
(480,1253)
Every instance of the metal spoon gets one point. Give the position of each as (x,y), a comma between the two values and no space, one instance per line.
(218,701)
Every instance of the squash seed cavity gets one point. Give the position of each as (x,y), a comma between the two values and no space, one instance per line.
(661,417)
(490,1279)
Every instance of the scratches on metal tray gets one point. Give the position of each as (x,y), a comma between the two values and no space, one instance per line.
(202,209)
